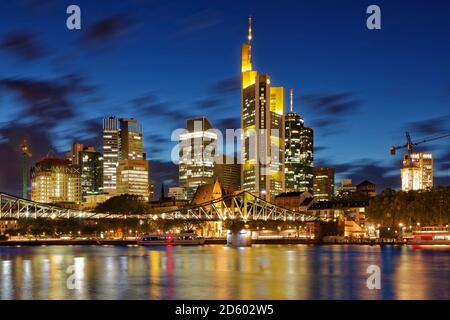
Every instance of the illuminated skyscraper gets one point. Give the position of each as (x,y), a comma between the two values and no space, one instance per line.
(122,141)
(55,180)
(131,144)
(132,178)
(262,123)
(417,171)
(91,165)
(197,152)
(111,153)
(323,183)
(299,152)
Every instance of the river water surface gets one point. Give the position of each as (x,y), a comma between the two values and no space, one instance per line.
(220,272)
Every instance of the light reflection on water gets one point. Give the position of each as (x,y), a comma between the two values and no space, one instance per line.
(220,272)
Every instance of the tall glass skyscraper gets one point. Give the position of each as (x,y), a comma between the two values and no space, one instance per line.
(197,153)
(299,156)
(91,164)
(131,146)
(111,152)
(124,161)
(262,122)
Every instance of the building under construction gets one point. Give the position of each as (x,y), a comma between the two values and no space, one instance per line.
(417,171)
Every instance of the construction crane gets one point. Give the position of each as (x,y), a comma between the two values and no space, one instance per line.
(410,144)
(26,155)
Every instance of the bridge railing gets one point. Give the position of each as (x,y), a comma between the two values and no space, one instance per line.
(243,206)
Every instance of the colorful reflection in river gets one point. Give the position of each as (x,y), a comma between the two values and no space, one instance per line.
(220,272)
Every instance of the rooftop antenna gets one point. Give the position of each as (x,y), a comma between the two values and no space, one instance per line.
(292,99)
(250,36)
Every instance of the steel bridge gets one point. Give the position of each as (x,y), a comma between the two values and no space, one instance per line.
(243,206)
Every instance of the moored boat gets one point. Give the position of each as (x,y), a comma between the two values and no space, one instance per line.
(430,236)
(184,239)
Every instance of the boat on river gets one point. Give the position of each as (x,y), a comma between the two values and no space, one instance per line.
(430,236)
(183,239)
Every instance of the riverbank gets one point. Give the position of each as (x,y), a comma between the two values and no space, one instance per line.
(103,242)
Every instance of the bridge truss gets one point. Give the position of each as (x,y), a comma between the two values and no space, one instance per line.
(243,206)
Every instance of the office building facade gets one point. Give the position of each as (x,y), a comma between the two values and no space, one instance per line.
(131,141)
(111,153)
(197,154)
(323,183)
(417,171)
(123,158)
(299,152)
(91,166)
(55,180)
(132,178)
(262,123)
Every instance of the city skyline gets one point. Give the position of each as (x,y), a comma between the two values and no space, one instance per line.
(67,109)
(224,157)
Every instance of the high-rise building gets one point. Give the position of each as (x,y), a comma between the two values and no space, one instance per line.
(323,183)
(197,152)
(132,178)
(417,171)
(111,153)
(131,144)
(91,165)
(299,146)
(122,141)
(73,155)
(55,180)
(262,122)
(228,172)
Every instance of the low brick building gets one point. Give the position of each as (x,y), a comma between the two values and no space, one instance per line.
(295,201)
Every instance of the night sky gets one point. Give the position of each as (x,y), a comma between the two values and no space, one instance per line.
(164,61)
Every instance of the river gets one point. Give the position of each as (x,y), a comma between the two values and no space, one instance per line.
(220,272)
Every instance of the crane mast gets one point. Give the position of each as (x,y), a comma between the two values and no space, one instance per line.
(26,155)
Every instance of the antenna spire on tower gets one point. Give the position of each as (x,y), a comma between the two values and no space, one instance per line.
(292,99)
(250,36)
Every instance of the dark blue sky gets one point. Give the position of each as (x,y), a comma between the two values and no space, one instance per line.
(164,61)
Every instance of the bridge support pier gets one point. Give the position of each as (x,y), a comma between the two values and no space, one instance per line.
(239,238)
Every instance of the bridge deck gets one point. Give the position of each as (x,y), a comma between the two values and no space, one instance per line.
(243,206)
